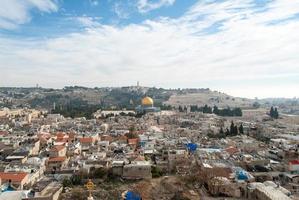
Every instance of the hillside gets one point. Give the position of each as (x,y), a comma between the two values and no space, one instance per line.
(210,98)
(129,97)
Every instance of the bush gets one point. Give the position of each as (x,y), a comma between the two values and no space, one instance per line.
(67,182)
(99,173)
(76,179)
(78,194)
(156,172)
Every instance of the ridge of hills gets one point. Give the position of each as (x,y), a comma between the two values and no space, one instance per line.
(130,96)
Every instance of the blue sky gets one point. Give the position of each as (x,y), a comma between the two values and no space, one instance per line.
(245,48)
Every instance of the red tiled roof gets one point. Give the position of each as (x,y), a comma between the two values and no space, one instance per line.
(61,140)
(60,135)
(57,148)
(232,150)
(106,138)
(13,176)
(133,141)
(123,138)
(3,133)
(57,159)
(86,140)
(294,162)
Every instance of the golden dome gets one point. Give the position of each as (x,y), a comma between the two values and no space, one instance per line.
(147,101)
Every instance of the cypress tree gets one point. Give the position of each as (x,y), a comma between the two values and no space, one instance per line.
(215,110)
(227,132)
(232,128)
(236,130)
(276,113)
(221,131)
(180,109)
(210,110)
(205,109)
(241,129)
(272,112)
(185,108)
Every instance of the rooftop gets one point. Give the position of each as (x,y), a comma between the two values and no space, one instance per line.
(86,140)
(13,176)
(57,159)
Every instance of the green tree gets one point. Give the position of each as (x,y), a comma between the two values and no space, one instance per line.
(156,172)
(221,133)
(216,110)
(207,109)
(237,112)
(132,133)
(67,182)
(221,130)
(180,108)
(99,173)
(236,130)
(256,104)
(227,132)
(276,115)
(241,129)
(272,112)
(232,128)
(76,179)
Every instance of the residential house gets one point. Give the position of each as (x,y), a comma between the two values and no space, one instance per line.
(57,151)
(16,179)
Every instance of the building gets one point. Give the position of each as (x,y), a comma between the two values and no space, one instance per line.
(56,163)
(266,191)
(137,170)
(57,151)
(16,179)
(147,106)
(86,143)
(294,166)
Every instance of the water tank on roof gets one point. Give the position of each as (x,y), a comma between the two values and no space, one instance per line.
(191,147)
(242,175)
(130,195)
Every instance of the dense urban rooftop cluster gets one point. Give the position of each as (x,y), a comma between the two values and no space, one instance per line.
(158,155)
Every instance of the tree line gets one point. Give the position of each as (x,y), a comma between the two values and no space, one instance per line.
(274,113)
(207,109)
(233,130)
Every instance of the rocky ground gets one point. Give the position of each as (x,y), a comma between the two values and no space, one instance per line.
(164,188)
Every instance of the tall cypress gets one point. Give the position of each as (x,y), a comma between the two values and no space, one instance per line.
(232,128)
(276,113)
(241,129)
(272,112)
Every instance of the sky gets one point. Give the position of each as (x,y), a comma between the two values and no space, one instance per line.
(246,48)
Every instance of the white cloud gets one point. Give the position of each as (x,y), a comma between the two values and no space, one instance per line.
(15,12)
(120,10)
(185,52)
(94,2)
(147,5)
(87,21)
